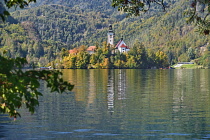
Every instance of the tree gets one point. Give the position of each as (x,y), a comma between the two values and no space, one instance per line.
(161,59)
(191,53)
(19,88)
(106,63)
(93,59)
(131,63)
(151,58)
(197,12)
(82,60)
(139,52)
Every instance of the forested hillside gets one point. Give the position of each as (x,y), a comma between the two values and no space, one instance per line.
(70,26)
(47,29)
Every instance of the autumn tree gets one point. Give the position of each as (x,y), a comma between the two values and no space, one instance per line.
(161,59)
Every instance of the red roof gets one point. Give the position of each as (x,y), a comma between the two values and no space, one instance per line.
(121,45)
(118,44)
(91,48)
(74,51)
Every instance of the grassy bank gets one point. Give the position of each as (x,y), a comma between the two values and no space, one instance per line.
(187,66)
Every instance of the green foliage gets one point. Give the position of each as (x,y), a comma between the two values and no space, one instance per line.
(19,88)
(12,3)
(197,11)
(198,14)
(135,7)
(104,58)
(72,26)
(161,59)
(67,26)
(184,58)
(21,40)
(204,60)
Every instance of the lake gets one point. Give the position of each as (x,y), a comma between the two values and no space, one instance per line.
(120,104)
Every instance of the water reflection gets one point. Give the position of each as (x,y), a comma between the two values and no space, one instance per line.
(123,104)
(4,124)
(121,84)
(110,92)
(160,95)
(110,83)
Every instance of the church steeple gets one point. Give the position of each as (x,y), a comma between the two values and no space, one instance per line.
(110,28)
(110,36)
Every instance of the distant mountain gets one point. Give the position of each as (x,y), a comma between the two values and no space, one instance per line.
(64,24)
(85,22)
(79,22)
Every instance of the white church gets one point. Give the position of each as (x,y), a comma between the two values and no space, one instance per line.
(121,46)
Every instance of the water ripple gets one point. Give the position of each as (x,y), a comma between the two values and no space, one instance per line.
(105,134)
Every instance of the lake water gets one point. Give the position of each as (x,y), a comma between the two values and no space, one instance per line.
(120,104)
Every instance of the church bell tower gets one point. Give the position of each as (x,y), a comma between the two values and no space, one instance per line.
(110,36)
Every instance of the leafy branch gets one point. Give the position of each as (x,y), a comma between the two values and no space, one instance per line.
(18,87)
(13,3)
(135,7)
(198,14)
